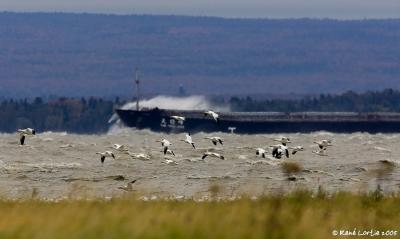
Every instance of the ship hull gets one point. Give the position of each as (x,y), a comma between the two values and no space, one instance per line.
(254,123)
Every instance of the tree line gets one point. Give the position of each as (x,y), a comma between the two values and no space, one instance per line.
(63,114)
(372,101)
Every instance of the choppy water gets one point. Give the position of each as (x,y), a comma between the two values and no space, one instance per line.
(54,165)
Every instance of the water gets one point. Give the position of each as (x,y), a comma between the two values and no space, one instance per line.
(56,165)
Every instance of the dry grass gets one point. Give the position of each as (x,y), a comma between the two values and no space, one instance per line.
(298,215)
(291,167)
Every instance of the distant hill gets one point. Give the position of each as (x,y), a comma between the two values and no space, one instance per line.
(90,54)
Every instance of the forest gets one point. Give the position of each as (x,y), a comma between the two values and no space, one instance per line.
(91,115)
(371,101)
(63,114)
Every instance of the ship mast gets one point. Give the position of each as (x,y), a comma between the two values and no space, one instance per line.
(137,87)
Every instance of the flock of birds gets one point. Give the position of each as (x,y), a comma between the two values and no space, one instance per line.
(277,151)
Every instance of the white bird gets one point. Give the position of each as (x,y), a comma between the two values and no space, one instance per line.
(165,144)
(120,147)
(212,154)
(278,150)
(261,152)
(323,143)
(321,152)
(140,156)
(215,140)
(25,132)
(296,149)
(178,118)
(105,154)
(170,161)
(214,115)
(188,140)
(169,151)
(128,186)
(283,140)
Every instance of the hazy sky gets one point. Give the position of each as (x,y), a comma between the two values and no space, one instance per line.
(343,9)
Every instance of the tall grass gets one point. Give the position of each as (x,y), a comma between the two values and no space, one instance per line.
(297,215)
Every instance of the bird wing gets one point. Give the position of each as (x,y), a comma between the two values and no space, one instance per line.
(188,138)
(165,150)
(22,139)
(274,151)
(204,156)
(220,141)
(287,153)
(193,145)
(102,158)
(214,142)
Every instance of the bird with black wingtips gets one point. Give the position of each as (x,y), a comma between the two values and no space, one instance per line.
(215,140)
(213,115)
(189,140)
(323,143)
(128,186)
(278,150)
(25,132)
(165,144)
(320,152)
(104,155)
(212,154)
(169,151)
(261,152)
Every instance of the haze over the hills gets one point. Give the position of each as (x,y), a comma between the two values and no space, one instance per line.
(94,54)
(338,9)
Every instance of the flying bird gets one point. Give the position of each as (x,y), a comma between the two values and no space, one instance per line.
(178,118)
(215,140)
(323,143)
(128,186)
(188,140)
(261,152)
(296,149)
(165,144)
(23,133)
(105,154)
(321,152)
(120,147)
(140,156)
(212,154)
(170,161)
(169,151)
(214,115)
(278,150)
(283,140)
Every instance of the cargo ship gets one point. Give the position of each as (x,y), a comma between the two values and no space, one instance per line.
(162,120)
